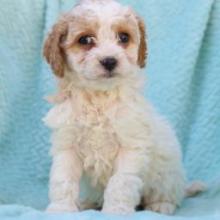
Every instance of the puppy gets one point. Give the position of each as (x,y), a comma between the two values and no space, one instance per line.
(103,128)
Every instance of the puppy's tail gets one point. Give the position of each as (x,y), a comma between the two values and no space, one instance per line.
(195,188)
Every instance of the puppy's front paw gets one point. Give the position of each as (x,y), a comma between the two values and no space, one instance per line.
(59,208)
(162,207)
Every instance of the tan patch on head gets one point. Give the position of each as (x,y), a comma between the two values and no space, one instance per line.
(127,25)
(53,51)
(142,51)
(72,42)
(124,28)
(81,26)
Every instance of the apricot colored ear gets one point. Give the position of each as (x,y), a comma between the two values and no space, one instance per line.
(142,51)
(53,51)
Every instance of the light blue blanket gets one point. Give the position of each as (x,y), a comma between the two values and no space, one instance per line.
(183,82)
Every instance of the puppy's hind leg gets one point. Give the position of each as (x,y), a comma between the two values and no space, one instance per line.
(165,193)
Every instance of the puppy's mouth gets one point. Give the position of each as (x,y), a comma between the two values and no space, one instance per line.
(109,75)
(105,76)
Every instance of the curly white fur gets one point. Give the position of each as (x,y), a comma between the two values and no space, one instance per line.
(106,130)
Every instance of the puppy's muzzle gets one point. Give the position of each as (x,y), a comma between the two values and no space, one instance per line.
(109,63)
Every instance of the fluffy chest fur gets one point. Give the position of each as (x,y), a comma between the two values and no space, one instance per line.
(96,124)
(97,143)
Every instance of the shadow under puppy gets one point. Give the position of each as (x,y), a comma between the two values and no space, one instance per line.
(103,128)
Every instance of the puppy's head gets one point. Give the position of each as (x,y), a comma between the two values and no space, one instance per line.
(99,44)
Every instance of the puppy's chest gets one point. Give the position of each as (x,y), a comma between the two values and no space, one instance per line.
(97,143)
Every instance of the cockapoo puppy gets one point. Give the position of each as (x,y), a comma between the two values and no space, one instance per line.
(103,128)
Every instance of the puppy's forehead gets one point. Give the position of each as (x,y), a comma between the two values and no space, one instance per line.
(103,10)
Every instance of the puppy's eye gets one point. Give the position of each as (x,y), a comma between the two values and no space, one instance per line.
(86,40)
(123,38)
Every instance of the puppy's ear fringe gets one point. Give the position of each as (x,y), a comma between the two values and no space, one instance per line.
(142,51)
(53,51)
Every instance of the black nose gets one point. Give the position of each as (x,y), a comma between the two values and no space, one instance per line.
(109,63)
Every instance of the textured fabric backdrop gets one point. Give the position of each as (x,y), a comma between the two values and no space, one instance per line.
(183,82)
